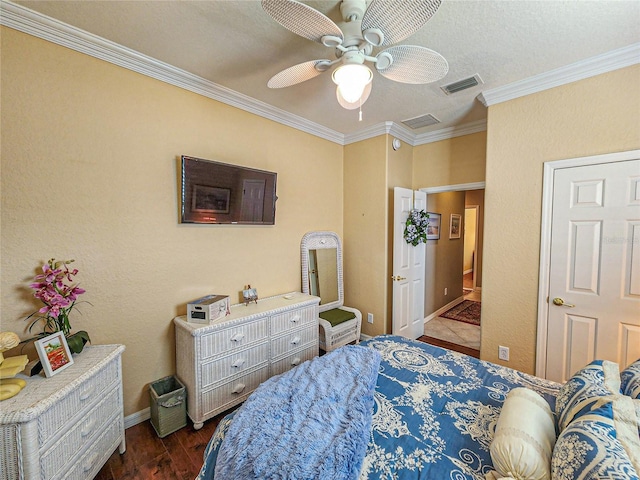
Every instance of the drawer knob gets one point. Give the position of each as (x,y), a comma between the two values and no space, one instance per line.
(239,388)
(295,340)
(237,337)
(295,361)
(86,394)
(88,428)
(90,462)
(238,363)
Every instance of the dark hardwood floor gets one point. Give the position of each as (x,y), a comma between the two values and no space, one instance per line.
(451,346)
(177,456)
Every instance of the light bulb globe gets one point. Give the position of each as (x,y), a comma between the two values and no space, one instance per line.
(352,80)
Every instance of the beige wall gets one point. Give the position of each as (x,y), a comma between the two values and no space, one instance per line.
(444,257)
(89,172)
(471,198)
(365,230)
(450,162)
(593,116)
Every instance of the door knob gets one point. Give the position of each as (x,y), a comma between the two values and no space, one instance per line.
(560,302)
(397,278)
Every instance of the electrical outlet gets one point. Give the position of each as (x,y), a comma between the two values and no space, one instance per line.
(503,353)
(370,317)
(446,290)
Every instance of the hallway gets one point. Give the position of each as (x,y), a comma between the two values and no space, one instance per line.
(453,331)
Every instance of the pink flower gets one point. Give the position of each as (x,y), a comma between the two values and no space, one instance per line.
(54,289)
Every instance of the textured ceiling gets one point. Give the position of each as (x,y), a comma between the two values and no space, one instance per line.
(237,45)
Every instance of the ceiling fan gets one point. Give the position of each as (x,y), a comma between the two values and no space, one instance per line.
(363,29)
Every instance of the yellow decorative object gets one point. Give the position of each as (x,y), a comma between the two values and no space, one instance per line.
(10,367)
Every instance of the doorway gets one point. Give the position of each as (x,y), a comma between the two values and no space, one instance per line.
(448,258)
(470,245)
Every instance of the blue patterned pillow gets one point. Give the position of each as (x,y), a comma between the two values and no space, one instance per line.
(601,442)
(599,378)
(630,378)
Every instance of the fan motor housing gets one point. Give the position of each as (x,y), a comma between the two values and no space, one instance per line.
(353,10)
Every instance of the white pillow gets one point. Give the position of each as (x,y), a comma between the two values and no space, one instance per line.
(524,438)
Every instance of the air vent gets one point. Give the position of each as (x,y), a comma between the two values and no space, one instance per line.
(462,84)
(422,121)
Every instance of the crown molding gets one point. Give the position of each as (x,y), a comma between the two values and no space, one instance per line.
(606,62)
(390,128)
(33,23)
(451,132)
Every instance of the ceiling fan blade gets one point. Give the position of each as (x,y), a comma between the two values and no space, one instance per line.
(302,20)
(413,64)
(398,20)
(298,73)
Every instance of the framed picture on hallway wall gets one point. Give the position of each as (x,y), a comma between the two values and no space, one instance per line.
(454,226)
(433,227)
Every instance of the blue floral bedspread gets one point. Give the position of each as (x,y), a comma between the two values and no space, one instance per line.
(435,412)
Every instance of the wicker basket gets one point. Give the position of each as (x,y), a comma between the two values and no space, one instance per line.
(168,405)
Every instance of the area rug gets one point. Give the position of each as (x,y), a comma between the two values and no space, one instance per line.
(467,311)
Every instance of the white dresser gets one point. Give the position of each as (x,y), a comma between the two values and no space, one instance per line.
(66,426)
(222,363)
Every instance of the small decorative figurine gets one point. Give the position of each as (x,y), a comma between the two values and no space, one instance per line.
(11,366)
(250,295)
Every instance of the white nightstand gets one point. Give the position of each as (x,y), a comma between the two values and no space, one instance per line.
(66,426)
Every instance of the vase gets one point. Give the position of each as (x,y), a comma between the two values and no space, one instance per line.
(77,341)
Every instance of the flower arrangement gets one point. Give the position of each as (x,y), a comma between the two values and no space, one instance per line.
(415,230)
(55,289)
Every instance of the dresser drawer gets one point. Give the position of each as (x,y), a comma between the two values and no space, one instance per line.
(238,388)
(80,435)
(287,363)
(89,464)
(293,341)
(245,360)
(289,320)
(57,417)
(233,338)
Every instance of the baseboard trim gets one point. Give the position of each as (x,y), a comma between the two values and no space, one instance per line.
(467,271)
(441,310)
(136,418)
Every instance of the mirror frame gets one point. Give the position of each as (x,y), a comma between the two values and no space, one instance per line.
(315,241)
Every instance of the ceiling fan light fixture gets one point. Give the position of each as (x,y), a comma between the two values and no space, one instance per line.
(352,80)
(358,103)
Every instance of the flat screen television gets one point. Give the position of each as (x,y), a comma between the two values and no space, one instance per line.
(214,192)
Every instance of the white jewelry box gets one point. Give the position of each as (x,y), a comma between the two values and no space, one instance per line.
(207,309)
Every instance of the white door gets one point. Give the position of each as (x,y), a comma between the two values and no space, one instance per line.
(408,268)
(252,200)
(594,272)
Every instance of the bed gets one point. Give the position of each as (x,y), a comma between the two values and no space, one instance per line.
(434,416)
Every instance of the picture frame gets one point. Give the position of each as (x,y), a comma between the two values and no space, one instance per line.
(455,225)
(54,353)
(250,295)
(433,227)
(210,199)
